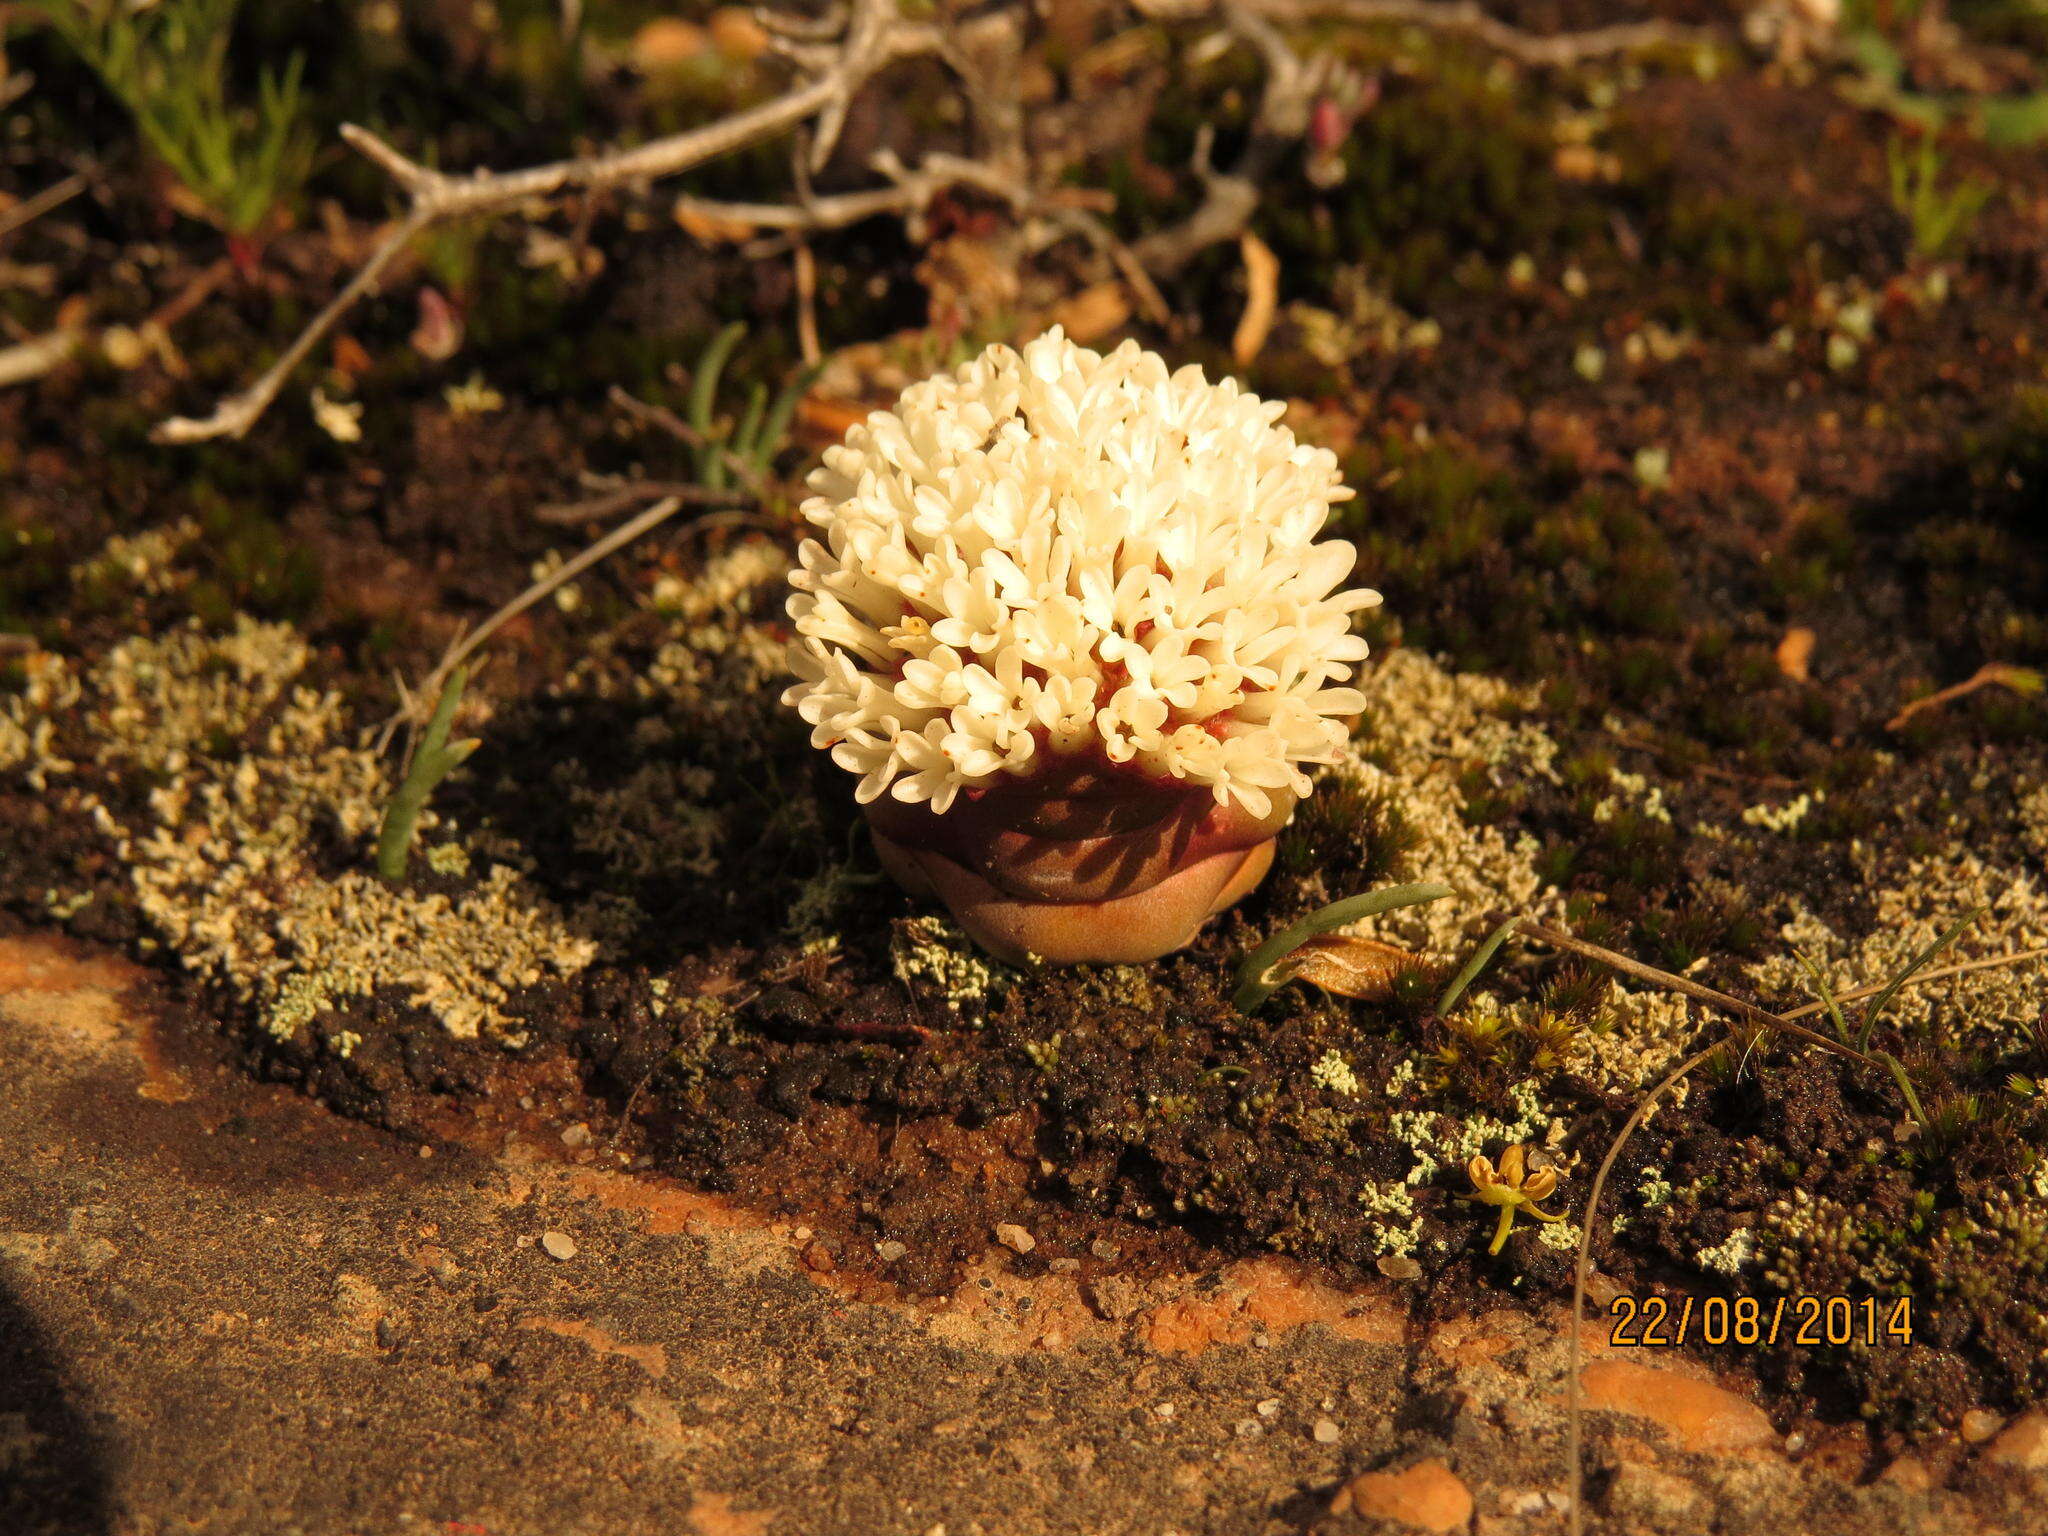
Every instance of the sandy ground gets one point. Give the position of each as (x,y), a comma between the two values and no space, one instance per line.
(224,1310)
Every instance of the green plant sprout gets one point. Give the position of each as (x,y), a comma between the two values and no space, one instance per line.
(167,65)
(751,445)
(431,763)
(1258,975)
(1939,217)
(1861,1041)
(1469,972)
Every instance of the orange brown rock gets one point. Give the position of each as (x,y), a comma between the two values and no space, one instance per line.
(1428,1496)
(1698,1415)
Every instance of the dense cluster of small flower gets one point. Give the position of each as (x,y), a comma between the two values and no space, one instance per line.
(1055,551)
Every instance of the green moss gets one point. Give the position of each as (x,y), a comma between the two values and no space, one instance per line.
(1740,255)
(32,572)
(249,564)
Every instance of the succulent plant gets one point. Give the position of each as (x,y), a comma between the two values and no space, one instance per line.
(1067,619)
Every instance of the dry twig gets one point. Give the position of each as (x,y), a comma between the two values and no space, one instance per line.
(30,209)
(668,421)
(1749,1013)
(616,498)
(984,52)
(1555,51)
(466,646)
(1993,674)
(1230,198)
(31,359)
(1294,85)
(874,37)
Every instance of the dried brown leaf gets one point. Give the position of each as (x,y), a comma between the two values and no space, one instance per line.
(1262,298)
(1366,969)
(1795,652)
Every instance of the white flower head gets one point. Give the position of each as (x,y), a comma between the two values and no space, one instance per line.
(1052,552)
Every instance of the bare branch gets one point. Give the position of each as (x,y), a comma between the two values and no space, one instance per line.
(668,421)
(875,36)
(31,359)
(1230,198)
(30,209)
(2024,681)
(616,498)
(1749,1013)
(1294,85)
(466,645)
(1557,51)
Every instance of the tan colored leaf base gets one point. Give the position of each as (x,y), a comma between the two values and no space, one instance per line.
(1118,930)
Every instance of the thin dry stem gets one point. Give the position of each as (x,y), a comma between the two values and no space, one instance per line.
(466,646)
(29,209)
(1749,1013)
(669,422)
(984,52)
(616,498)
(1555,51)
(1993,674)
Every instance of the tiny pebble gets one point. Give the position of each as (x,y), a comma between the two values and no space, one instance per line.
(1262,1341)
(1980,1424)
(558,1245)
(800,1235)
(1246,1428)
(1104,1249)
(889,1250)
(577,1135)
(1325,1431)
(1065,1266)
(1268,1408)
(1014,1237)
(1164,1410)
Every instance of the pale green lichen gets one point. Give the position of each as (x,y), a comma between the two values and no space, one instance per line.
(254,775)
(1436,1141)
(1333,1072)
(147,560)
(1396,1228)
(1913,900)
(1784,818)
(1430,728)
(1632,789)
(930,954)
(1729,1256)
(1652,1188)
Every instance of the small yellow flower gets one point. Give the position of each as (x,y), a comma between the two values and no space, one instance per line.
(1511,1187)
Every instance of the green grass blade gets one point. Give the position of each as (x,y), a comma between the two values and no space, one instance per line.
(1898,1072)
(1469,972)
(776,427)
(748,434)
(1883,999)
(432,763)
(1825,993)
